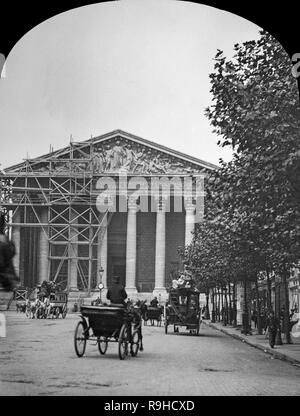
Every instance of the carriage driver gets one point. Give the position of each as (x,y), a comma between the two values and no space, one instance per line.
(116,292)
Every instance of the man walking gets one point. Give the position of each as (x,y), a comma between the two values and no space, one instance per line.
(273,326)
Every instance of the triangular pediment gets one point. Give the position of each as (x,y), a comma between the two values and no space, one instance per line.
(110,153)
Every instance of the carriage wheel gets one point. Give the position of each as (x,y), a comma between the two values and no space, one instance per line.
(80,339)
(64,314)
(135,342)
(123,342)
(102,345)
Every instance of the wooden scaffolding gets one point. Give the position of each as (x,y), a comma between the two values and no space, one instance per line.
(50,206)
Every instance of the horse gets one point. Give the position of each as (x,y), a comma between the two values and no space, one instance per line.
(41,308)
(143,307)
(136,314)
(31,307)
(21,306)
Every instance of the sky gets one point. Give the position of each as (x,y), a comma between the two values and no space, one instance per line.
(141,66)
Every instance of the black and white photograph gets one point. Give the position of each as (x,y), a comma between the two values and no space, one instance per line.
(149,207)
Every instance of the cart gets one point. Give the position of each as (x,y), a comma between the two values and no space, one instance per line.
(58,303)
(152,314)
(106,324)
(183,310)
(20,295)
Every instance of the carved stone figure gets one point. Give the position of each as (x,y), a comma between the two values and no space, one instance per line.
(129,158)
(117,156)
(98,162)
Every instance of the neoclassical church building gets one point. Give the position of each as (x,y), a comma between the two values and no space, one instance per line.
(87,212)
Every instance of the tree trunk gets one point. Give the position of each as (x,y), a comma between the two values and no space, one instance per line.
(218,305)
(230,304)
(222,305)
(225,310)
(259,323)
(246,329)
(207,314)
(269,291)
(234,305)
(278,340)
(213,315)
(286,318)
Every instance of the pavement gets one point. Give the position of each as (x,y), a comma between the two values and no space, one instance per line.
(286,352)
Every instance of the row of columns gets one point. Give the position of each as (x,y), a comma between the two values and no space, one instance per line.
(160,246)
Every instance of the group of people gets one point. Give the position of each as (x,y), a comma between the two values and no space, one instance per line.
(272,323)
(183,281)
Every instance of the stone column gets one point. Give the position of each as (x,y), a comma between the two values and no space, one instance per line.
(131,249)
(102,252)
(44,248)
(16,237)
(73,252)
(189,221)
(160,252)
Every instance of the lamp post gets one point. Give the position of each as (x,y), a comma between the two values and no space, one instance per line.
(101,285)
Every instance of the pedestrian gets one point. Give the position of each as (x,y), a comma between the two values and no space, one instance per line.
(8,276)
(254,318)
(273,327)
(116,292)
(154,302)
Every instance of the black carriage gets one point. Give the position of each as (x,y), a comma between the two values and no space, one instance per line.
(153,313)
(183,310)
(58,304)
(105,324)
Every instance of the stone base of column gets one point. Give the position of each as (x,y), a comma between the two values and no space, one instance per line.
(131,292)
(161,294)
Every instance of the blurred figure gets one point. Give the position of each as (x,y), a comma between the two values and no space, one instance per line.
(8,276)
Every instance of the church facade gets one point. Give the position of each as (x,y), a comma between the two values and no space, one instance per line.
(115,204)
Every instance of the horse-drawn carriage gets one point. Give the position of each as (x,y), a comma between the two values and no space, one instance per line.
(105,324)
(58,303)
(153,313)
(183,309)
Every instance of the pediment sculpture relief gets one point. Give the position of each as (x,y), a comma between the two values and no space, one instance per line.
(137,159)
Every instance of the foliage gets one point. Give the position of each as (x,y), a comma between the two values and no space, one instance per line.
(252,204)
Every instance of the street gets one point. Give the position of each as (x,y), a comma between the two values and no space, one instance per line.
(37,357)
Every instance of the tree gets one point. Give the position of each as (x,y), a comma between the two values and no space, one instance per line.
(256,111)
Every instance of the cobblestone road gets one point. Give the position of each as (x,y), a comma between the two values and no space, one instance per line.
(37,358)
